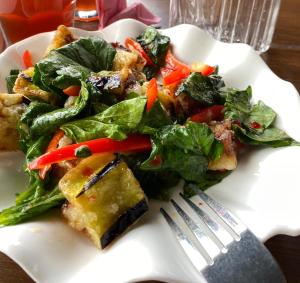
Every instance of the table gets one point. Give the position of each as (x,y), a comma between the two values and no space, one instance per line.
(284,59)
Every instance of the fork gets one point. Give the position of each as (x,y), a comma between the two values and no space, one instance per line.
(218,244)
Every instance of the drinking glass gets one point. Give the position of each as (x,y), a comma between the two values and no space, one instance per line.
(252,22)
(86,10)
(22,18)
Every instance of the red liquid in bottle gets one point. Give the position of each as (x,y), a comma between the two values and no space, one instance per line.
(22,18)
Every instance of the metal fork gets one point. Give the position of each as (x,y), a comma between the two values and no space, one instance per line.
(218,244)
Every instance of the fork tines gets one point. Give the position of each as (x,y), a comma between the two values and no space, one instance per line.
(206,244)
(220,247)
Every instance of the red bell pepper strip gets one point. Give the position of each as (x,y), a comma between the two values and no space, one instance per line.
(27,59)
(51,147)
(132,143)
(204,69)
(174,70)
(212,113)
(152,93)
(72,90)
(164,71)
(133,45)
(173,63)
(176,76)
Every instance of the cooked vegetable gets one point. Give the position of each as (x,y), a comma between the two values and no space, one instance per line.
(223,132)
(51,121)
(72,90)
(36,187)
(176,75)
(157,184)
(269,137)
(99,175)
(204,69)
(83,151)
(109,82)
(131,144)
(51,147)
(113,201)
(256,120)
(205,90)
(93,53)
(173,63)
(134,46)
(27,59)
(22,212)
(11,79)
(208,114)
(154,119)
(114,122)
(151,93)
(72,63)
(209,179)
(156,46)
(185,150)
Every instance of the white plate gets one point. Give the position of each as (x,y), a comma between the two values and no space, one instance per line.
(264,190)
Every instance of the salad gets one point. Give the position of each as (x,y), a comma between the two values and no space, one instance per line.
(106,126)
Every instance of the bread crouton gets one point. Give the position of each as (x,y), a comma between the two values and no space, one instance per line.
(11,109)
(24,86)
(62,37)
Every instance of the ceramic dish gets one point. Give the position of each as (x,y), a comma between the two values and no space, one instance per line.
(263,191)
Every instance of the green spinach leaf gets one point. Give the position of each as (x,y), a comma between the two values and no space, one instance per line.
(151,71)
(204,89)
(261,114)
(156,118)
(36,186)
(51,121)
(156,184)
(93,53)
(238,108)
(156,46)
(34,110)
(37,206)
(183,149)
(269,137)
(114,122)
(11,79)
(56,72)
(209,179)
(72,63)
(238,104)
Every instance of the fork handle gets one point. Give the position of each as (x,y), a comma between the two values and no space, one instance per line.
(256,266)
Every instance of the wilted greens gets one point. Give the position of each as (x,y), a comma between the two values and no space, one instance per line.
(117,104)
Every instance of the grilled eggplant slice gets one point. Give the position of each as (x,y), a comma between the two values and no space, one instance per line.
(104,198)
(110,82)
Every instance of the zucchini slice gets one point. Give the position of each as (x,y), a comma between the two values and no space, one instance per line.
(103,198)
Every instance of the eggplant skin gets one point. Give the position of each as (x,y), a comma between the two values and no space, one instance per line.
(124,221)
(113,200)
